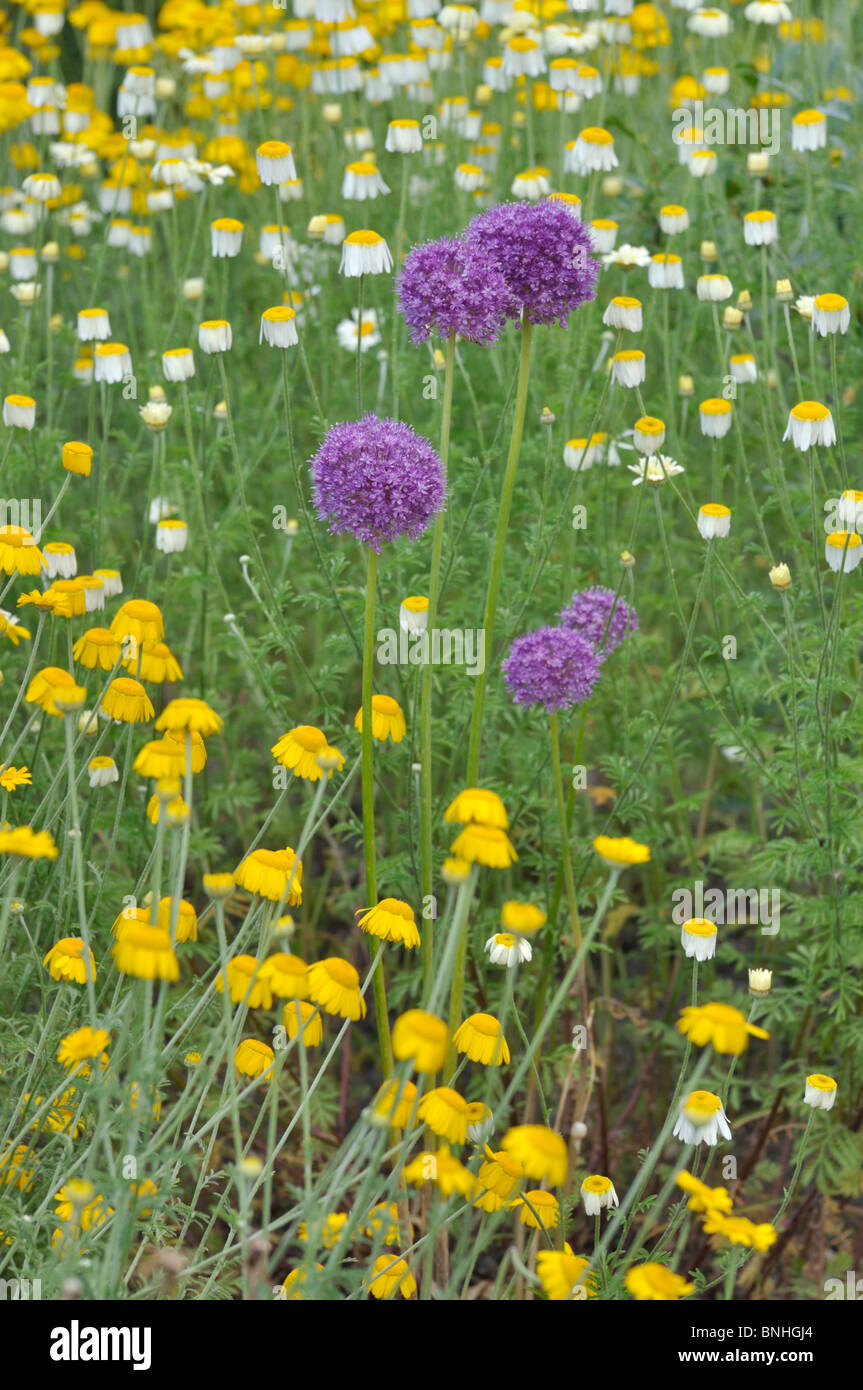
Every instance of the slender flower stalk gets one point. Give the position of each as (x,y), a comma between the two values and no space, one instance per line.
(359,358)
(378,981)
(792,1186)
(566,856)
(453,966)
(427,673)
(78,861)
(498,551)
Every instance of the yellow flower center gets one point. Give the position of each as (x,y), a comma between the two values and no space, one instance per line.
(699,926)
(596,135)
(343,973)
(363,238)
(701,1105)
(819,1082)
(830,303)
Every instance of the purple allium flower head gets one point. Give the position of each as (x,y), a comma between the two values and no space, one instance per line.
(545,254)
(447,287)
(554,667)
(377,479)
(595,614)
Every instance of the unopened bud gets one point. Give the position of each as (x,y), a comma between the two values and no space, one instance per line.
(760,981)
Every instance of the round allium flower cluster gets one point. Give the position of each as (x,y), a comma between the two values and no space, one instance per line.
(605,619)
(554,667)
(545,254)
(377,479)
(447,287)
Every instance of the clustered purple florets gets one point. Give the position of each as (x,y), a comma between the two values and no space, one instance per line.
(444,287)
(545,254)
(601,616)
(534,259)
(378,480)
(557,667)
(553,666)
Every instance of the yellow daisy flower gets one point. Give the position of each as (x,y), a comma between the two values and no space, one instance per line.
(387,719)
(422,1038)
(480,1038)
(654,1283)
(720,1024)
(335,985)
(541,1152)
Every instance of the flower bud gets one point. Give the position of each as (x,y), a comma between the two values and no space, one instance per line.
(760,982)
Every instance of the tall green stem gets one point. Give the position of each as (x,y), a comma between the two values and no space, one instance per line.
(378,982)
(498,552)
(426,689)
(566,857)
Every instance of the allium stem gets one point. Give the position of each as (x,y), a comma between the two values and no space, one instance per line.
(499,547)
(426,690)
(378,982)
(566,857)
(368,785)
